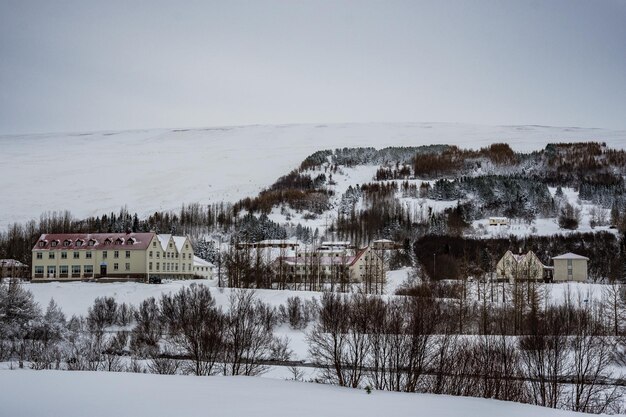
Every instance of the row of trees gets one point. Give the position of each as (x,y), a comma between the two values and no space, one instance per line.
(413,345)
(181,332)
(564,358)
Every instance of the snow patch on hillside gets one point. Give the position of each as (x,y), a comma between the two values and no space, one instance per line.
(147,170)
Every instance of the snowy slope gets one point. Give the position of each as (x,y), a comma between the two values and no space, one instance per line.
(94,173)
(68,394)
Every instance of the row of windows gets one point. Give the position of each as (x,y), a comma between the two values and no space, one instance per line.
(167,266)
(76,255)
(168,255)
(91,242)
(63,269)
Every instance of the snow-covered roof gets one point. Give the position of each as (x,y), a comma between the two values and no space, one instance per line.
(10,263)
(88,241)
(164,239)
(383,241)
(570,255)
(179,241)
(201,262)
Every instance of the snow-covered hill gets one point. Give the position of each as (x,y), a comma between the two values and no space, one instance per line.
(148,170)
(68,394)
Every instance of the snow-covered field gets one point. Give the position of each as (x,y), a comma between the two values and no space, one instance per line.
(148,170)
(69,394)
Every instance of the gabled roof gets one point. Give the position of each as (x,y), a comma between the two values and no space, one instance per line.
(570,255)
(164,239)
(179,242)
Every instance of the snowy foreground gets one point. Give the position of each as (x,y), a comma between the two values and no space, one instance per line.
(68,394)
(162,168)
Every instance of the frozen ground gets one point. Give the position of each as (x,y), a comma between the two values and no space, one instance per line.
(148,170)
(69,394)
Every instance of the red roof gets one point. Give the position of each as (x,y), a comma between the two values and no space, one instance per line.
(94,241)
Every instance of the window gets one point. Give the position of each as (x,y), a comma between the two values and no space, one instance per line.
(104,254)
(42,244)
(63,269)
(127,254)
(177,267)
(187,246)
(88,255)
(116,254)
(92,242)
(52,270)
(51,255)
(75,269)
(183,267)
(158,254)
(176,256)
(151,254)
(66,243)
(119,241)
(79,243)
(127,266)
(40,256)
(157,265)
(116,266)
(39,269)
(154,244)
(54,243)
(88,269)
(184,255)
(170,244)
(150,265)
(63,255)
(190,267)
(76,255)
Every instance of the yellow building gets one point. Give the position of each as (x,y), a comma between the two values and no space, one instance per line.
(111,256)
(525,267)
(570,267)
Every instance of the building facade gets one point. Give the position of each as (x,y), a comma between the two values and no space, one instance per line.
(111,256)
(524,267)
(570,267)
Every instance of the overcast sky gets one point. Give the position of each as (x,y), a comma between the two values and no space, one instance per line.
(107,65)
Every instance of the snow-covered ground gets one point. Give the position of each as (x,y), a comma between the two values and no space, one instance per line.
(148,170)
(69,394)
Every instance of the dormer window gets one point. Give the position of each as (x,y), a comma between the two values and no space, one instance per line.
(53,243)
(119,241)
(130,241)
(42,244)
(79,243)
(107,241)
(91,242)
(67,242)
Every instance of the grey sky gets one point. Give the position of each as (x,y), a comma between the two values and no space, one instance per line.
(82,65)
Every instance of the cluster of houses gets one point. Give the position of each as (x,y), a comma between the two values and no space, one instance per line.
(151,256)
(528,267)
